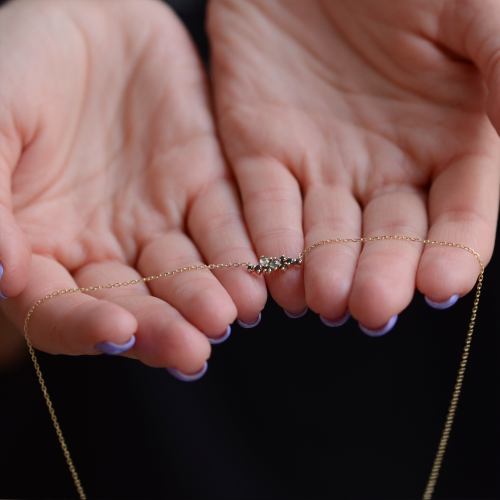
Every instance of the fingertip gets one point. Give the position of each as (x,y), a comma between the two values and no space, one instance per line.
(328,293)
(249,292)
(251,324)
(297,314)
(378,332)
(188,358)
(374,301)
(444,273)
(185,377)
(442,304)
(335,322)
(113,349)
(222,338)
(166,338)
(287,289)
(99,322)
(211,311)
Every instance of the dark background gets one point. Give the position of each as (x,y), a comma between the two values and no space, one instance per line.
(289,409)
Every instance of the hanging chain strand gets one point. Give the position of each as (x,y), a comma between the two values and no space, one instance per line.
(52,412)
(59,433)
(456,392)
(431,484)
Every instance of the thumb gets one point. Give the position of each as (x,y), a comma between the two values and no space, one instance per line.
(472,29)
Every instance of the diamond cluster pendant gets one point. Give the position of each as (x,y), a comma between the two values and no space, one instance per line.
(269,264)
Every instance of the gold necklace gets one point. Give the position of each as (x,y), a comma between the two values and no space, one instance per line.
(267,265)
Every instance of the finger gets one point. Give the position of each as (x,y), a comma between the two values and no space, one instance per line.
(272,205)
(329,213)
(163,337)
(197,295)
(15,250)
(384,282)
(72,323)
(463,208)
(217,227)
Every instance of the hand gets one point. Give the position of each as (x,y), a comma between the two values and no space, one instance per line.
(110,170)
(349,119)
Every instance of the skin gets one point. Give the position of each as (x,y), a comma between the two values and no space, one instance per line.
(110,169)
(349,119)
(340,119)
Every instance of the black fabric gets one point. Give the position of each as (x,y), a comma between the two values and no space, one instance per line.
(290,409)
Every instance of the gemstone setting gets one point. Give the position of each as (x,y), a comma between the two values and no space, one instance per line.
(267,265)
(274,264)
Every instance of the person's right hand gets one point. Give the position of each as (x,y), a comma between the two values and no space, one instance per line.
(349,119)
(110,169)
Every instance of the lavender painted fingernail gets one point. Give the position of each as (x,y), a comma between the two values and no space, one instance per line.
(250,325)
(382,331)
(2,296)
(223,338)
(442,305)
(335,322)
(296,315)
(114,349)
(188,378)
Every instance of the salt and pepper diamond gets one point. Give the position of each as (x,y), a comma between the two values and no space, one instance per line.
(270,264)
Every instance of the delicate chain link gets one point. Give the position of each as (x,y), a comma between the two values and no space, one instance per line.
(456,392)
(395,237)
(431,484)
(59,433)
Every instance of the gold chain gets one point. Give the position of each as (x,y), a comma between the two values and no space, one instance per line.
(431,483)
(429,490)
(59,433)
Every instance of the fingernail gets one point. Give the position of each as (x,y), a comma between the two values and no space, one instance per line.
(188,378)
(382,331)
(442,305)
(114,349)
(2,296)
(223,338)
(336,322)
(250,325)
(296,315)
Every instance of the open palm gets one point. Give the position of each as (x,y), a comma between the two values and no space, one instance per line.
(349,119)
(108,146)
